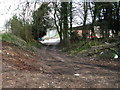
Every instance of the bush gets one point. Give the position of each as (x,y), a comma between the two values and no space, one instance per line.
(75,37)
(21,29)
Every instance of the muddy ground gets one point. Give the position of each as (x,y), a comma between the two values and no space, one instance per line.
(51,68)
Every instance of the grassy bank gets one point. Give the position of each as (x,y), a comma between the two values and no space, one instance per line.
(82,46)
(99,48)
(9,37)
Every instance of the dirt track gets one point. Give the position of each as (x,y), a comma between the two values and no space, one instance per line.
(50,68)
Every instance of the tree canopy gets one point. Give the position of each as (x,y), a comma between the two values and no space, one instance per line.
(41,21)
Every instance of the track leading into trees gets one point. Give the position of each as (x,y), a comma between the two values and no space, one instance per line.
(51,68)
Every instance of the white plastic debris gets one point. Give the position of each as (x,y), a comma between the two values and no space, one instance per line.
(77,74)
(115,56)
(101,52)
(8,53)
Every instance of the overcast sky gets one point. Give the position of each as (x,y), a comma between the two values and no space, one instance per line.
(8,8)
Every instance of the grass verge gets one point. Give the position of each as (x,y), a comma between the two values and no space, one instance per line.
(9,37)
(82,46)
(100,49)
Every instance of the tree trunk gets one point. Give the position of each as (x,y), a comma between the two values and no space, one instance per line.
(66,39)
(71,17)
(59,25)
(84,22)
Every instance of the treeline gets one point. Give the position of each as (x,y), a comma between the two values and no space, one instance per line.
(103,14)
(61,15)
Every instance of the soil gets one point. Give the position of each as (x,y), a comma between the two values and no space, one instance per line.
(49,67)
